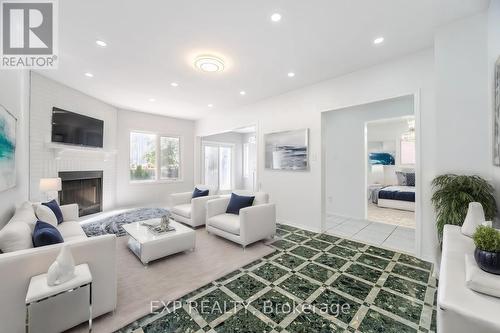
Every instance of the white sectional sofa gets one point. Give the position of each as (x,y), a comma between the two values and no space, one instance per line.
(67,310)
(460,309)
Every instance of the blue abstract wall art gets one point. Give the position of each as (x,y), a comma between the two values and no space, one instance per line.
(381,158)
(8,124)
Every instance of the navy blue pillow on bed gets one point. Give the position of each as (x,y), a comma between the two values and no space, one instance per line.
(54,206)
(410,179)
(238,202)
(199,193)
(46,234)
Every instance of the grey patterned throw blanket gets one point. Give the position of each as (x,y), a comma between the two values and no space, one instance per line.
(113,224)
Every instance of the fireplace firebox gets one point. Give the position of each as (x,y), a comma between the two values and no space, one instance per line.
(83,188)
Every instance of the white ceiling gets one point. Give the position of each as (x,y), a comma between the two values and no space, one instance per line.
(152,43)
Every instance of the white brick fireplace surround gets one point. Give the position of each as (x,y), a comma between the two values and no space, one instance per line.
(47,160)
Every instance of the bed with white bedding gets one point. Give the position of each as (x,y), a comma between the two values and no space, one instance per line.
(396,197)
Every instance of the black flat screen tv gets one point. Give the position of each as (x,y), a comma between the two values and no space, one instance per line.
(76,129)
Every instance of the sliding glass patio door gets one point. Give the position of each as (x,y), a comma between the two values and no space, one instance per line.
(218,166)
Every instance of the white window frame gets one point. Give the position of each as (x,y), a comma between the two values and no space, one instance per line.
(158,179)
(246,158)
(233,162)
(401,152)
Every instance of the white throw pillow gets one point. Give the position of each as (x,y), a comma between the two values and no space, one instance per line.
(474,218)
(25,213)
(45,214)
(15,236)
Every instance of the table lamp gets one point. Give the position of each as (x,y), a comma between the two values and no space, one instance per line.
(50,186)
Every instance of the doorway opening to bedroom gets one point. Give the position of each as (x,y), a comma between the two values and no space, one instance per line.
(365,149)
(390,171)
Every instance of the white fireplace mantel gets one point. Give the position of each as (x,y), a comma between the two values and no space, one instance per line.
(61,148)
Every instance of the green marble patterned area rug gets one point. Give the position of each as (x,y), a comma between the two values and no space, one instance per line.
(313,283)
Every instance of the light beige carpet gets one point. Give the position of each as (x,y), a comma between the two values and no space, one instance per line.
(170,278)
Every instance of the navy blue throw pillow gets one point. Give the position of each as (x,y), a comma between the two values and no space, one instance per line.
(238,202)
(54,206)
(46,234)
(199,193)
(410,179)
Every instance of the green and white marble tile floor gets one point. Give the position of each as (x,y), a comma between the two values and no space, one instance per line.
(313,283)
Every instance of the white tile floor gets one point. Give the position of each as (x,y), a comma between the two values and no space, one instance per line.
(386,235)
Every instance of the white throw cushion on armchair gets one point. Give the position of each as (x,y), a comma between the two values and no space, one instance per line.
(253,223)
(189,210)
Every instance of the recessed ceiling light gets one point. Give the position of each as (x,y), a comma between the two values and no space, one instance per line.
(210,105)
(89,74)
(209,63)
(101,43)
(243,93)
(152,100)
(174,84)
(291,74)
(378,40)
(276,17)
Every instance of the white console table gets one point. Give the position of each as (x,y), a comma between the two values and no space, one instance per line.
(461,310)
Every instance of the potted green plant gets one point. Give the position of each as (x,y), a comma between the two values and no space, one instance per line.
(452,195)
(487,253)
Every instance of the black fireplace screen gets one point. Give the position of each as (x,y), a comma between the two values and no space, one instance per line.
(83,188)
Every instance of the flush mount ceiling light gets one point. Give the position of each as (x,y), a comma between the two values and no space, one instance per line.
(89,74)
(152,100)
(276,17)
(378,40)
(291,74)
(210,105)
(101,43)
(209,63)
(243,93)
(174,84)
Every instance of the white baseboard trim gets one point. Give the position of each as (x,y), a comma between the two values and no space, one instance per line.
(330,214)
(300,226)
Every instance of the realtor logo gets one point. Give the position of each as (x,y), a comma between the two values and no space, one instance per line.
(29,34)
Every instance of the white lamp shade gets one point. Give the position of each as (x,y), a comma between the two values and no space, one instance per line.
(50,184)
(377,176)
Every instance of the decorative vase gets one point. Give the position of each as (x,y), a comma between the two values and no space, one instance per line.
(488,261)
(165,222)
(475,217)
(63,269)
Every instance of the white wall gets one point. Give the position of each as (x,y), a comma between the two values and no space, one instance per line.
(298,195)
(151,194)
(14,96)
(47,162)
(493,56)
(463,142)
(346,155)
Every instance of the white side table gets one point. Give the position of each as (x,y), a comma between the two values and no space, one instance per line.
(39,291)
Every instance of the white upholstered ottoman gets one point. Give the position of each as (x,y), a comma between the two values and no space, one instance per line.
(149,246)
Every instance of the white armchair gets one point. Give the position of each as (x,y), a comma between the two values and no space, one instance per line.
(252,224)
(190,211)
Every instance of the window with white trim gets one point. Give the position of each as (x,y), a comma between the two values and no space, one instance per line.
(154,157)
(408,152)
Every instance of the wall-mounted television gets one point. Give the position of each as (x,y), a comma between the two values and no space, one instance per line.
(76,129)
